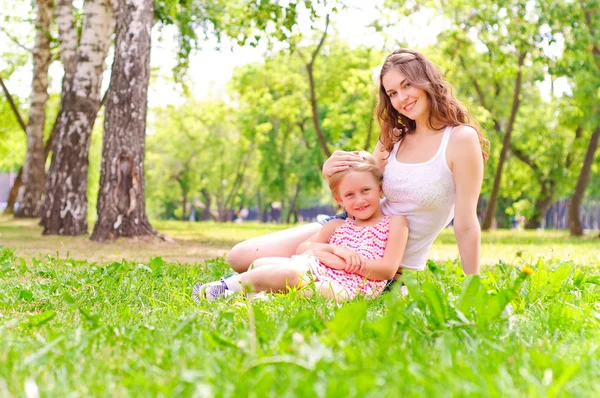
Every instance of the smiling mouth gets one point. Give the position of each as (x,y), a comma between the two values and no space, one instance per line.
(409,107)
(362,208)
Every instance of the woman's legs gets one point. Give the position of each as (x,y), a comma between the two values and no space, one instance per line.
(277,244)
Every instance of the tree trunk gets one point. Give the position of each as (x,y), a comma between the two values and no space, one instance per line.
(367,145)
(34,167)
(121,201)
(313,95)
(206,212)
(293,202)
(65,204)
(68,45)
(14,191)
(184,204)
(490,211)
(541,207)
(67,41)
(574,205)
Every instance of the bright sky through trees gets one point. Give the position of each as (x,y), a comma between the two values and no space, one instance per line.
(211,68)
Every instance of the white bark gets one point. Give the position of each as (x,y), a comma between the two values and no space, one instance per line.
(121,204)
(34,170)
(65,206)
(93,47)
(67,37)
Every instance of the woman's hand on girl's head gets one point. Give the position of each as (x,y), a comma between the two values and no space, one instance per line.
(340,161)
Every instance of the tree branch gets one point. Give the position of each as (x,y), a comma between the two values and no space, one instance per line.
(523,157)
(475,83)
(13,106)
(588,22)
(569,160)
(14,40)
(300,124)
(313,96)
(371,122)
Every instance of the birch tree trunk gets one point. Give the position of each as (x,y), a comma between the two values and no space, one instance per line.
(67,38)
(67,41)
(574,205)
(65,204)
(34,168)
(121,202)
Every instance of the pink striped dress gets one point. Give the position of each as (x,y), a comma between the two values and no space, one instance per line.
(368,241)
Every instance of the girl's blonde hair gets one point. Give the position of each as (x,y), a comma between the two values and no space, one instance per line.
(445,108)
(368,166)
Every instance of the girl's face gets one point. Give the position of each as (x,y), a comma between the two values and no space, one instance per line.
(359,193)
(407,99)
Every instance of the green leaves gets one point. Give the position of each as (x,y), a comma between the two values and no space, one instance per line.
(348,319)
(41,319)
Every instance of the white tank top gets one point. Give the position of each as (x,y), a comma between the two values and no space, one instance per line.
(424,193)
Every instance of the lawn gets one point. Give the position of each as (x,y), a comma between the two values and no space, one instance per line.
(82,319)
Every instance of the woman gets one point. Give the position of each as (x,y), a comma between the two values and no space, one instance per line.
(432,159)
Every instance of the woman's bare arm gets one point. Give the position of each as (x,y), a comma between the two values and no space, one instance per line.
(380,155)
(466,161)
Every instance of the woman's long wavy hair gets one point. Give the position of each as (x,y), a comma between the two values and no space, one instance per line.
(445,109)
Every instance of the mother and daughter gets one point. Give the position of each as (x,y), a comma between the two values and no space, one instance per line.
(428,164)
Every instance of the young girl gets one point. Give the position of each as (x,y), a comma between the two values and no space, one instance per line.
(349,257)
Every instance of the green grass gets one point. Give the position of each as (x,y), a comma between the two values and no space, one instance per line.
(86,324)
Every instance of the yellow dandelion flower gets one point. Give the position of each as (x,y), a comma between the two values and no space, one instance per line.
(528,270)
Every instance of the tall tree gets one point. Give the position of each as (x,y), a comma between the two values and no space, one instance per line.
(34,167)
(12,196)
(585,42)
(123,213)
(121,201)
(65,204)
(313,96)
(67,38)
(496,45)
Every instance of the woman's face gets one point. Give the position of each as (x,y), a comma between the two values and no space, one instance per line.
(407,99)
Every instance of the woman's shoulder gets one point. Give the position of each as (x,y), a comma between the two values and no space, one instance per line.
(463,145)
(464,132)
(463,137)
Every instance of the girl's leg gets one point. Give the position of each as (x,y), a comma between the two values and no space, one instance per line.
(278,244)
(273,278)
(332,290)
(261,262)
(270,278)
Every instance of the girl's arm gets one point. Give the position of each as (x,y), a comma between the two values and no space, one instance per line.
(319,242)
(387,267)
(466,162)
(331,255)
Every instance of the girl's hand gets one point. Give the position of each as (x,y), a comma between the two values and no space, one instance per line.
(329,259)
(355,269)
(353,259)
(340,161)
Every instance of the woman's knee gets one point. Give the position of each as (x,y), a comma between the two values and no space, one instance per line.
(240,257)
(277,244)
